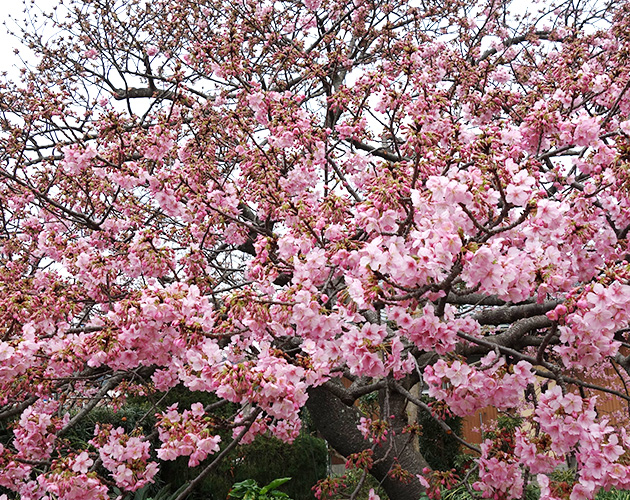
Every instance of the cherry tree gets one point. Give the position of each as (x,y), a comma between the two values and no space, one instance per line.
(293,204)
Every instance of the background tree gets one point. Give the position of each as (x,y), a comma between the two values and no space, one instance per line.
(256,199)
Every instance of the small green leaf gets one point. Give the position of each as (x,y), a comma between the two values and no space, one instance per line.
(244,489)
(274,484)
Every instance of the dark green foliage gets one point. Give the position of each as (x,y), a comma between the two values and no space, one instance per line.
(130,417)
(185,398)
(613,494)
(152,492)
(263,461)
(439,449)
(267,459)
(509,422)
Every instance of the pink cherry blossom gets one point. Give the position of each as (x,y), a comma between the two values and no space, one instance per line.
(293,206)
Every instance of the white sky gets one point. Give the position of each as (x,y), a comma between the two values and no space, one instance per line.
(14,13)
(8,42)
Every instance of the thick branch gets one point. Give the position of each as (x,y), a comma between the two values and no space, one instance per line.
(349,395)
(337,423)
(133,93)
(16,410)
(380,152)
(511,313)
(475,299)
(543,35)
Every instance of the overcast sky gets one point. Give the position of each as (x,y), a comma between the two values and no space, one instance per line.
(12,14)
(11,10)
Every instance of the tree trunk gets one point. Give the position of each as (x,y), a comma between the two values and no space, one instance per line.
(337,423)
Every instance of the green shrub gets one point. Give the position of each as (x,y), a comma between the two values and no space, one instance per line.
(613,494)
(268,458)
(439,449)
(249,490)
(263,461)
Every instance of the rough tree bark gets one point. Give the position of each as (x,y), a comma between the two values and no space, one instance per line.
(337,422)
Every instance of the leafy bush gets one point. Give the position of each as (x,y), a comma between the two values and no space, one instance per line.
(439,449)
(249,490)
(613,494)
(152,492)
(262,461)
(269,458)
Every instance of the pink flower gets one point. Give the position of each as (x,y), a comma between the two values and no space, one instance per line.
(586,131)
(423,481)
(82,463)
(90,54)
(372,495)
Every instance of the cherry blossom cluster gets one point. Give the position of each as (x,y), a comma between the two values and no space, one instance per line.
(34,440)
(274,384)
(428,331)
(573,426)
(71,479)
(466,389)
(186,434)
(374,430)
(126,457)
(563,424)
(36,431)
(499,477)
(150,328)
(265,198)
(588,332)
